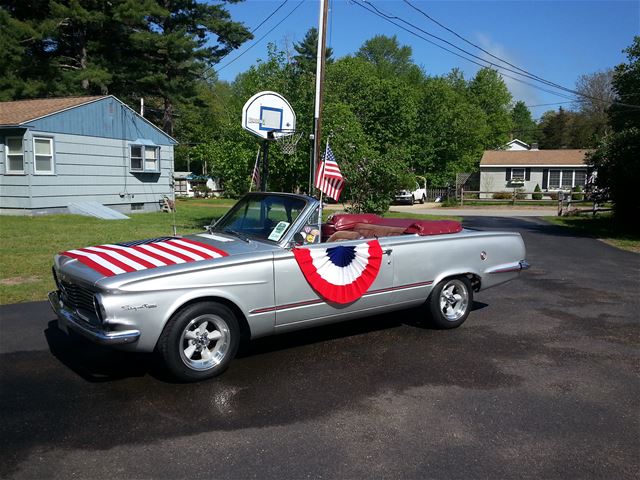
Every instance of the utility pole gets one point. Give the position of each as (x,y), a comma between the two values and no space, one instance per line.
(320,64)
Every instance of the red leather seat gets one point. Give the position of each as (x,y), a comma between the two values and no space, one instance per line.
(346,221)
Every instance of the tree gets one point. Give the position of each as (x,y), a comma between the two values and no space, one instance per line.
(175,38)
(617,158)
(524,127)
(555,129)
(389,58)
(308,50)
(491,94)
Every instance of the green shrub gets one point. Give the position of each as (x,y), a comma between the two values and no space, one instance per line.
(576,193)
(503,195)
(553,195)
(520,195)
(537,195)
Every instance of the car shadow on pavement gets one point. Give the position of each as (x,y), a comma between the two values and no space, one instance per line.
(98,364)
(95,363)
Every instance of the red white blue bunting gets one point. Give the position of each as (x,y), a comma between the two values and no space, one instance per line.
(343,273)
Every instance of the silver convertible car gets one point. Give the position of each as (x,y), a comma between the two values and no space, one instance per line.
(267,267)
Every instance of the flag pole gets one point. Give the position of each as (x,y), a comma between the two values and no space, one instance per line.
(320,64)
(326,149)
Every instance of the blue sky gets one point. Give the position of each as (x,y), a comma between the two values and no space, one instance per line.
(556,40)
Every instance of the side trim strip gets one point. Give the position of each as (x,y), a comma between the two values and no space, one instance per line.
(305,303)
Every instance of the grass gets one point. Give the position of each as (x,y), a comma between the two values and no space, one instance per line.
(602,227)
(27,244)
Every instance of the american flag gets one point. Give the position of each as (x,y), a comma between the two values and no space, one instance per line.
(113,259)
(255,175)
(328,177)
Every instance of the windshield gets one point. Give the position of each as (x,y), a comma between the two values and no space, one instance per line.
(261,216)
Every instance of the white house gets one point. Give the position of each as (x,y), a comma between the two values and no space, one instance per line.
(517,145)
(552,170)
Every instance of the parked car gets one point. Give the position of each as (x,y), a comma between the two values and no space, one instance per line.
(267,267)
(419,193)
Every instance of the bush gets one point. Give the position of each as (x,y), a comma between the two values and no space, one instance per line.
(553,195)
(503,196)
(537,195)
(576,193)
(521,195)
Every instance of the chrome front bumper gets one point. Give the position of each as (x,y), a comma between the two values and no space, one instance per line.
(67,319)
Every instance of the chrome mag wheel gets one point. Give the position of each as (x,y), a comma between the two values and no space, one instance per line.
(205,342)
(454,300)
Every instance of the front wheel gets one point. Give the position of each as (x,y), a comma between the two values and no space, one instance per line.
(199,341)
(450,302)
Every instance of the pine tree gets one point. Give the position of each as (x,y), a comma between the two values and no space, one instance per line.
(307,51)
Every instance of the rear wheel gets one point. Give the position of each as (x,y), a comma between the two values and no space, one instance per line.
(199,341)
(450,302)
(423,199)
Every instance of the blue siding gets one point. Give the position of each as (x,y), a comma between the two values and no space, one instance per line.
(106,118)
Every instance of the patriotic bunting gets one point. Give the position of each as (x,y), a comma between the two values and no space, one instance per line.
(114,259)
(340,274)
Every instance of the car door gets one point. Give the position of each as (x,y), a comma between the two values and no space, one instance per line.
(296,301)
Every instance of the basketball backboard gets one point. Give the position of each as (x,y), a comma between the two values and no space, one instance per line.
(268,112)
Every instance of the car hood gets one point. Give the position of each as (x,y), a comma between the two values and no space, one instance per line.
(232,248)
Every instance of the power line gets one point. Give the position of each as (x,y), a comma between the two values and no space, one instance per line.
(528,75)
(261,38)
(483,65)
(475,45)
(271,15)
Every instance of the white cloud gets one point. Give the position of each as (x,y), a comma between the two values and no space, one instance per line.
(519,90)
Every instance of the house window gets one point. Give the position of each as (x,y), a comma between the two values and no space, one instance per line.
(14,155)
(566,179)
(151,156)
(43,156)
(136,158)
(517,174)
(145,159)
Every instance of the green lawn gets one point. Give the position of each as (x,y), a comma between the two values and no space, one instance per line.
(602,227)
(27,244)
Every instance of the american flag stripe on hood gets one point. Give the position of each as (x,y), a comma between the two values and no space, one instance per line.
(114,259)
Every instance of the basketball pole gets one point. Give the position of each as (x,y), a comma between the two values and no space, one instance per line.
(320,64)
(265,165)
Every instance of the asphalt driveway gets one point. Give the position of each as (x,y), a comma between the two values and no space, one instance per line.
(540,382)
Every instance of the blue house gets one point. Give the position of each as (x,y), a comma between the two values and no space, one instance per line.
(58,151)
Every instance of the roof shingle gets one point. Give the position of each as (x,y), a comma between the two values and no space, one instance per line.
(533,157)
(21,111)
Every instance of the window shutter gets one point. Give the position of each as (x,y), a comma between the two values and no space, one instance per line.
(545,178)
(527,174)
(508,174)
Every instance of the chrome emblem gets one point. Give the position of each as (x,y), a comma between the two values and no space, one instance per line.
(135,308)
(483,255)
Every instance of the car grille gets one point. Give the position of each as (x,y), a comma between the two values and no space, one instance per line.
(78,297)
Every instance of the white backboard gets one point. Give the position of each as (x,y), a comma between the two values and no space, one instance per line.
(268,112)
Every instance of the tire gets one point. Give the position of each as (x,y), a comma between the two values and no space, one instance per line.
(450,302)
(413,199)
(423,199)
(199,341)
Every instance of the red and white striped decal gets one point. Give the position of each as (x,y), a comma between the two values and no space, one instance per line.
(116,259)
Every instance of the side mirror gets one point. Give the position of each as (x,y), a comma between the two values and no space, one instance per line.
(298,239)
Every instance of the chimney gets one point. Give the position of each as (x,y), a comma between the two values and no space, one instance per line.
(534,146)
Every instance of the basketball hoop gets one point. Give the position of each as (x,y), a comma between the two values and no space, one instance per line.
(288,141)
